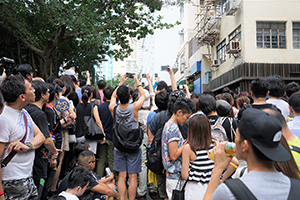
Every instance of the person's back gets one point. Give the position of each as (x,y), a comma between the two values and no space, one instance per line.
(276,89)
(126,115)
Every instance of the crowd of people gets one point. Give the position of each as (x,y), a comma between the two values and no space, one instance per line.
(50,148)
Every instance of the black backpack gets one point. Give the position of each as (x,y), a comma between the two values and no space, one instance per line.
(154,157)
(126,139)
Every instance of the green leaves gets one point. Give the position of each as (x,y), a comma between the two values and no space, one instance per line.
(74,31)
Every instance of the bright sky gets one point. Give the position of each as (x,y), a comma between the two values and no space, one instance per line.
(166,43)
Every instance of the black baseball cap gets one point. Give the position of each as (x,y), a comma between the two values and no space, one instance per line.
(264,132)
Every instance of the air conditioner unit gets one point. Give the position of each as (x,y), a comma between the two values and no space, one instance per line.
(215,63)
(233,47)
(231,7)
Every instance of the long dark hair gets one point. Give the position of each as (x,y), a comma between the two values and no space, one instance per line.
(86,92)
(288,168)
(199,133)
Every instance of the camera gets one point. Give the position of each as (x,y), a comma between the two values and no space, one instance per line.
(7,63)
(156,75)
(129,75)
(143,75)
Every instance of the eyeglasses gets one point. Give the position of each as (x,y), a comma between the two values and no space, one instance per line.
(93,161)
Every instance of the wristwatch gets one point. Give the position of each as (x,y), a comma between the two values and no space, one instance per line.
(29,145)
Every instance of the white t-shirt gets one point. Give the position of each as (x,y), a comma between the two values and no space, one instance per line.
(12,128)
(68,196)
(282,105)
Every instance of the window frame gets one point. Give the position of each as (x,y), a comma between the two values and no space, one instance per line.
(267,32)
(221,51)
(293,28)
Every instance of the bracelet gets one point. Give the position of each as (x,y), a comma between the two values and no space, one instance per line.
(29,145)
(2,192)
(139,86)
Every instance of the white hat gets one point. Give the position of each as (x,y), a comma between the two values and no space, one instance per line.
(147,100)
(69,72)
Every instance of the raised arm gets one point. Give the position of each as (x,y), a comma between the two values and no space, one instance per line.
(113,101)
(173,80)
(139,103)
(149,83)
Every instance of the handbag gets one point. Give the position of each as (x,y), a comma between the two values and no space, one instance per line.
(94,132)
(178,192)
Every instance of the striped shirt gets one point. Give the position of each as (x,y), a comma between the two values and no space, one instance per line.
(201,168)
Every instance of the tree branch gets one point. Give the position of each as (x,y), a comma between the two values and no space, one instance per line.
(28,44)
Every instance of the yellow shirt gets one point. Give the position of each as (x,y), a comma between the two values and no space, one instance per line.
(296,155)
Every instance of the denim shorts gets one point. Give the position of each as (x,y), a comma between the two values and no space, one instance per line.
(130,162)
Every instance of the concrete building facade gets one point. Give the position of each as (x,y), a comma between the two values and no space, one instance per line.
(244,39)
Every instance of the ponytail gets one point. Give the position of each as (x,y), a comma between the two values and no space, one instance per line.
(86,92)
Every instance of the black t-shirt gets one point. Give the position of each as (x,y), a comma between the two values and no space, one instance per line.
(74,97)
(54,125)
(226,124)
(41,154)
(155,124)
(106,120)
(81,111)
(257,106)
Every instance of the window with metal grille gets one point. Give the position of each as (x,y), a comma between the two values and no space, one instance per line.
(270,35)
(296,35)
(221,51)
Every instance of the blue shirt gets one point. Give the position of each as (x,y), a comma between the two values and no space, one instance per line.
(78,92)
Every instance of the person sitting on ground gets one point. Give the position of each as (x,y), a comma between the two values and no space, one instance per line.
(87,159)
(78,182)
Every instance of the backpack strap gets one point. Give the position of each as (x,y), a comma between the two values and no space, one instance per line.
(294,148)
(162,118)
(114,123)
(239,189)
(294,190)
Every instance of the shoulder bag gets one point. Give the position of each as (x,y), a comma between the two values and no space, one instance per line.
(94,131)
(12,154)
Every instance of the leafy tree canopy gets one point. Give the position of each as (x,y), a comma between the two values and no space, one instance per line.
(49,33)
